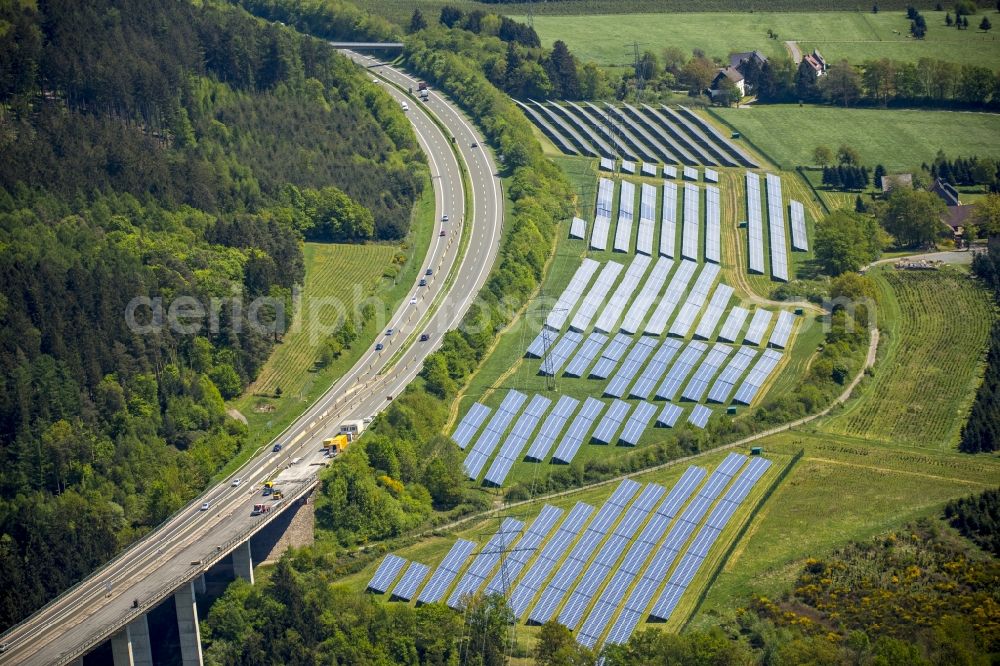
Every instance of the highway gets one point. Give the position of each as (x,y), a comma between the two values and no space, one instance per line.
(192,540)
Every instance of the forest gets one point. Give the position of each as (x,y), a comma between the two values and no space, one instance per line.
(158,150)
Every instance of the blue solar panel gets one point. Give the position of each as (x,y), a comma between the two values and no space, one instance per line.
(586,354)
(726,381)
(567,301)
(446,572)
(494,552)
(680,370)
(560,353)
(611,355)
(637,423)
(386,573)
(551,428)
(612,421)
(647,296)
(782,330)
(761,318)
(470,424)
(407,586)
(668,417)
(488,440)
(734,324)
(524,551)
(596,295)
(698,385)
(758,374)
(552,552)
(654,370)
(634,361)
(578,430)
(511,449)
(755,224)
(710,318)
(618,300)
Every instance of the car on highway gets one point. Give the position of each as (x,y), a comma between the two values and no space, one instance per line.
(444,218)
(206,506)
(276,448)
(424,337)
(429,271)
(379,347)
(442,233)
(388,331)
(422,283)
(236,482)
(406,107)
(475,144)
(413,301)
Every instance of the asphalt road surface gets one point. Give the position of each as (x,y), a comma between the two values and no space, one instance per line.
(189,542)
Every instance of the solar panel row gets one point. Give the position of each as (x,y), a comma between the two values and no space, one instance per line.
(446,572)
(490,437)
(626,205)
(484,562)
(596,296)
(699,416)
(669,171)
(675,292)
(726,382)
(602,214)
(758,324)
(511,448)
(798,217)
(668,417)
(668,218)
(607,164)
(469,424)
(711,175)
(611,355)
(680,370)
(716,306)
(698,385)
(628,167)
(539,346)
(577,431)
(586,354)
(647,295)
(755,224)
(647,219)
(551,427)
(552,552)
(713,225)
(578,228)
(734,324)
(525,550)
(414,575)
(569,297)
(695,300)
(570,568)
(776,225)
(782,330)
(634,362)
(648,169)
(616,304)
(386,573)
(692,222)
(637,423)
(690,173)
(654,369)
(758,375)
(560,353)
(612,421)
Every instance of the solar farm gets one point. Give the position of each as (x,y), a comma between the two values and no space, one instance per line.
(599,569)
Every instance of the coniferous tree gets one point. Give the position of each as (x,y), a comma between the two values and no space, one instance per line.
(417,21)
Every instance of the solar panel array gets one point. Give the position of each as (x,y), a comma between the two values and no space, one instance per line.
(602,214)
(675,292)
(668,219)
(699,416)
(577,431)
(596,295)
(552,552)
(776,225)
(585,354)
(407,586)
(490,437)
(570,568)
(606,558)
(647,295)
(706,537)
(469,424)
(616,304)
(711,175)
(511,448)
(525,550)
(758,324)
(648,169)
(680,370)
(607,164)
(692,221)
(669,171)
(551,427)
(755,224)
(578,228)
(610,356)
(698,385)
(690,173)
(446,572)
(628,167)
(647,219)
(782,330)
(626,206)
(713,225)
(668,417)
(634,362)
(635,558)
(726,382)
(654,369)
(734,324)
(759,373)
(798,217)
(571,294)
(637,423)
(695,300)
(713,313)
(484,563)
(386,573)
(560,353)
(541,343)
(608,426)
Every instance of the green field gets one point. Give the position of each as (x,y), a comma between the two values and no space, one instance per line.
(935,328)
(855,36)
(898,139)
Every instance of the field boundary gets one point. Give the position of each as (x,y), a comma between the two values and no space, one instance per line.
(743,137)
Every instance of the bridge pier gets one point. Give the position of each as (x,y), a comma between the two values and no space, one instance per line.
(243,562)
(187,625)
(199,584)
(131,646)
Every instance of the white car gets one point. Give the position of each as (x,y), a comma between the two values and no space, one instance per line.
(205,506)
(413,301)
(236,482)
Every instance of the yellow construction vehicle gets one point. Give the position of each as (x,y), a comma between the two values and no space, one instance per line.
(335,445)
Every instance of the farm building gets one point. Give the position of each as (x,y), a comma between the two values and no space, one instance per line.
(956,214)
(734,75)
(816,61)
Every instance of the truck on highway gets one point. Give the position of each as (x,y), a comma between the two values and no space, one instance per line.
(352,428)
(335,445)
(259,509)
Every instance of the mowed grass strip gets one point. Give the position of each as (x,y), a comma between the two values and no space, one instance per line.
(855,36)
(899,139)
(935,327)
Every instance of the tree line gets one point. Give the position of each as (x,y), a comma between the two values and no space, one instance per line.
(981,432)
